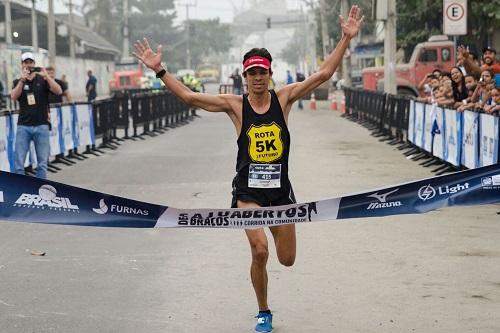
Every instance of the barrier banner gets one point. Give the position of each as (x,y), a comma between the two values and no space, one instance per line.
(430,116)
(453,131)
(55,134)
(470,140)
(419,124)
(11,134)
(488,133)
(411,122)
(83,120)
(29,199)
(438,133)
(4,141)
(66,127)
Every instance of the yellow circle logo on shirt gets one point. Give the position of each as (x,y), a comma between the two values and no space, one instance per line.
(264,143)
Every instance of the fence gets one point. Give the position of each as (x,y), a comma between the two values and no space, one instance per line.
(439,136)
(75,128)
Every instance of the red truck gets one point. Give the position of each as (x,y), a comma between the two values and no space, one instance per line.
(436,53)
(127,75)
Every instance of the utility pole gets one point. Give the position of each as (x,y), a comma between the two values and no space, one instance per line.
(70,30)
(125,50)
(390,49)
(34,27)
(51,31)
(346,62)
(188,42)
(324,29)
(8,23)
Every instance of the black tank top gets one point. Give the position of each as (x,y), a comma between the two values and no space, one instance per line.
(264,139)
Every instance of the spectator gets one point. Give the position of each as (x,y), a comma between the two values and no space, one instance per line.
(493,103)
(437,73)
(489,61)
(1,95)
(460,92)
(237,82)
(32,92)
(470,84)
(430,89)
(481,93)
(299,77)
(53,98)
(445,96)
(90,87)
(289,78)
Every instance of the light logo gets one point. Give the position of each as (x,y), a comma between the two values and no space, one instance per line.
(426,192)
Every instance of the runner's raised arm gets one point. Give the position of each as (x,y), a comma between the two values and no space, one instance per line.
(350,28)
(214,103)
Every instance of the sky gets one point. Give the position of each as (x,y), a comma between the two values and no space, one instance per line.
(204,9)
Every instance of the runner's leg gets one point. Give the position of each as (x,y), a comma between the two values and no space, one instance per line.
(285,242)
(259,246)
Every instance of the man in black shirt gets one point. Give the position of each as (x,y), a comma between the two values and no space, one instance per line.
(32,93)
(58,99)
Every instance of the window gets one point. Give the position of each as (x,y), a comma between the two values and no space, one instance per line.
(428,56)
(445,54)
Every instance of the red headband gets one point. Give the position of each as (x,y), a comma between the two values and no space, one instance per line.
(256,61)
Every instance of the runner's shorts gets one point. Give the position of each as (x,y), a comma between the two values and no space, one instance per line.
(262,197)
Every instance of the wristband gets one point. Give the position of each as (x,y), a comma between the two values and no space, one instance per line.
(161,73)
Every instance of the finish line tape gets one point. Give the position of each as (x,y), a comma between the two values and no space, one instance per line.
(29,199)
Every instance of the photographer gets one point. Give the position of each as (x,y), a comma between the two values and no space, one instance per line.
(32,91)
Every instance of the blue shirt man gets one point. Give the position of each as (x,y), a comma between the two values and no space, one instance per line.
(90,87)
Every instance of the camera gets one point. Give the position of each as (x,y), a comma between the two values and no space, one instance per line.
(35,70)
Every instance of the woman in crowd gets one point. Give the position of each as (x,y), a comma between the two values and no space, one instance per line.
(460,92)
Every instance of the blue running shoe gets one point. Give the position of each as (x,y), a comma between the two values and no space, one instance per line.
(264,322)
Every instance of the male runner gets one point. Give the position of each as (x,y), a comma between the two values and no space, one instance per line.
(260,119)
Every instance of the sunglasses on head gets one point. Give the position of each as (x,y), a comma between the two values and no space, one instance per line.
(255,71)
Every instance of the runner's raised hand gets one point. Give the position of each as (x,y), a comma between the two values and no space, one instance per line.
(351,26)
(144,53)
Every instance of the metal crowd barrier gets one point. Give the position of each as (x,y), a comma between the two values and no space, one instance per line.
(153,110)
(429,133)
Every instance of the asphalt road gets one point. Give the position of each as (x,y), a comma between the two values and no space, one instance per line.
(438,272)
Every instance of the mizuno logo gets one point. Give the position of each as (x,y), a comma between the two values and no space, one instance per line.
(382,197)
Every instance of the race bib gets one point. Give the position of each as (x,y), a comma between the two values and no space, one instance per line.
(31,99)
(265,144)
(264,175)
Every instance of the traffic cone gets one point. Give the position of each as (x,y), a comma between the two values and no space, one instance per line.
(312,102)
(333,104)
(342,106)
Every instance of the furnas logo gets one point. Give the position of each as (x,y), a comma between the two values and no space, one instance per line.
(46,198)
(382,200)
(119,209)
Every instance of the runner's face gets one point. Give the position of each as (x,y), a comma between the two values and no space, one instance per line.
(257,79)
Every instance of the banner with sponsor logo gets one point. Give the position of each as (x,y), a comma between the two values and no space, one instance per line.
(4,142)
(453,133)
(66,126)
(411,122)
(438,133)
(36,200)
(470,141)
(488,134)
(84,124)
(55,134)
(419,124)
(430,116)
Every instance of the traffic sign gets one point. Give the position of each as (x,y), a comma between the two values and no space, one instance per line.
(455,17)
